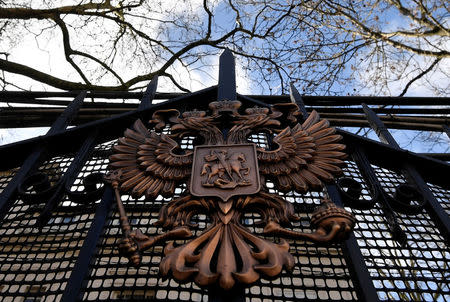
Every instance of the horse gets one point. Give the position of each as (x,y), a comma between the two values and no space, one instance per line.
(234,165)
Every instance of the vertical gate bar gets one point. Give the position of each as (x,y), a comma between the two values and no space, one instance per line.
(296,98)
(87,252)
(37,155)
(352,252)
(149,94)
(378,194)
(236,294)
(446,130)
(226,91)
(227,77)
(68,114)
(433,207)
(68,178)
(354,259)
(378,126)
(82,156)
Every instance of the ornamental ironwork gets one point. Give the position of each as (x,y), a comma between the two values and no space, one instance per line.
(226,178)
(257,162)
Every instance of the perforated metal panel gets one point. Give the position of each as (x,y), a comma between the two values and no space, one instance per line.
(36,262)
(416,271)
(41,263)
(442,195)
(320,272)
(5,177)
(111,276)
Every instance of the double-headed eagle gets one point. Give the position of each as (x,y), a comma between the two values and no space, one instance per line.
(299,157)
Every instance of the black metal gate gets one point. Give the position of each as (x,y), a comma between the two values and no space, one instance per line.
(59,228)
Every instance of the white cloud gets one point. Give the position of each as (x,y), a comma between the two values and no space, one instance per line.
(45,53)
(11,135)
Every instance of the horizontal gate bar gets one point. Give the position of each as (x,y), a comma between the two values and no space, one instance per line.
(24,96)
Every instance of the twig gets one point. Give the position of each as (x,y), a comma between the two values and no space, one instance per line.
(419,76)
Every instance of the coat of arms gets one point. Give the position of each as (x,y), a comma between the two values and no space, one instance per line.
(226,176)
(225,171)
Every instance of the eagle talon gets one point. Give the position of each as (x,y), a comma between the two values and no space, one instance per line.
(129,246)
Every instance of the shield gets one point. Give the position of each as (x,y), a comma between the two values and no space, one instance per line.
(224,171)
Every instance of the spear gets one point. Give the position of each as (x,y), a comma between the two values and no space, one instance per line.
(224,164)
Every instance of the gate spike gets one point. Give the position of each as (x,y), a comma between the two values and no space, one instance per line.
(149,93)
(227,77)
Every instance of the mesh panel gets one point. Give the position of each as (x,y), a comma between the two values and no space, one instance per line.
(36,263)
(39,261)
(55,167)
(389,179)
(417,271)
(442,196)
(320,272)
(5,178)
(260,139)
(187,143)
(112,278)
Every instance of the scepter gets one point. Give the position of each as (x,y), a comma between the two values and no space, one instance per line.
(113,178)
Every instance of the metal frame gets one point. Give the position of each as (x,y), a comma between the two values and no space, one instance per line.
(369,156)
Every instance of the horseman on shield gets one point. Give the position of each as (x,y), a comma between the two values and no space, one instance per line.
(224,169)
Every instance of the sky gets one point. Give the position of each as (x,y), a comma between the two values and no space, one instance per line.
(31,51)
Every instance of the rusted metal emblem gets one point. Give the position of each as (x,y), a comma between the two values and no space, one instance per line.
(225,184)
(225,171)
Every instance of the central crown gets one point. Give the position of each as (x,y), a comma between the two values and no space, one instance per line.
(224,106)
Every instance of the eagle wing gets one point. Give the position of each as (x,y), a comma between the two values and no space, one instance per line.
(148,162)
(307,155)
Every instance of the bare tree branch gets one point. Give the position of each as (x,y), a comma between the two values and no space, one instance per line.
(324,46)
(419,76)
